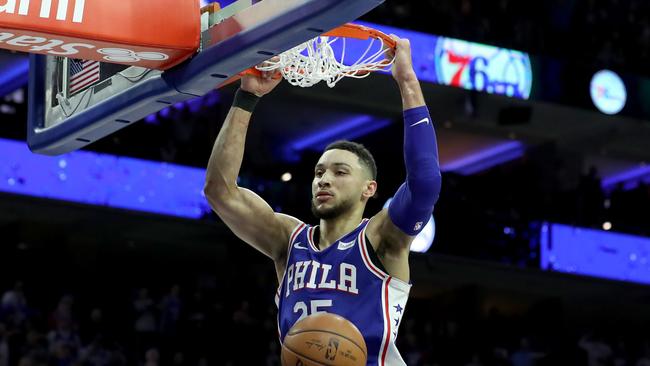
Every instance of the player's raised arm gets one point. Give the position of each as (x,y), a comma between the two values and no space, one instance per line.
(411,207)
(243,211)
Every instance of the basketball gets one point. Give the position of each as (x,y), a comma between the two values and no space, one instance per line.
(324,339)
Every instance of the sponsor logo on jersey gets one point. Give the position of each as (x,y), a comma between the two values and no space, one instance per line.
(345,245)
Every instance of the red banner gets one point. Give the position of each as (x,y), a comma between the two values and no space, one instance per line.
(155,34)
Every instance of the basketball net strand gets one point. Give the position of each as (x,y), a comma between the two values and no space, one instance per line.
(315,60)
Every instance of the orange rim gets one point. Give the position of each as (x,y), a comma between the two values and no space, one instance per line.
(357,31)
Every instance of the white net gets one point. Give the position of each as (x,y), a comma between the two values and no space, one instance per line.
(315,60)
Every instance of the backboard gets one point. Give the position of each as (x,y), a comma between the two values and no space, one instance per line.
(73,103)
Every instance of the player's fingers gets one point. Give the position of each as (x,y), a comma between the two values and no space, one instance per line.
(273,61)
(390,52)
(401,43)
(395,38)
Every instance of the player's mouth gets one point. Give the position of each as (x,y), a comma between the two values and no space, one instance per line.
(323,196)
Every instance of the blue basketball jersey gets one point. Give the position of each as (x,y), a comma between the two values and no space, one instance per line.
(341,279)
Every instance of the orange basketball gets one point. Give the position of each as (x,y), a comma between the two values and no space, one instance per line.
(324,339)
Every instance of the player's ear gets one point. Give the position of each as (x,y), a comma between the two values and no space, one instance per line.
(370,189)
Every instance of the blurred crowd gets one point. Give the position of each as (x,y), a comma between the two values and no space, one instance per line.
(606,33)
(209,327)
(155,326)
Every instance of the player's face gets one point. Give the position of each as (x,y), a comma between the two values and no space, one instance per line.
(339,184)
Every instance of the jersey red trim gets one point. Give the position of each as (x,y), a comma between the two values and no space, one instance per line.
(296,232)
(310,238)
(366,258)
(384,351)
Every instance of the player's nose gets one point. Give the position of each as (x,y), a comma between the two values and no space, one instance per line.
(324,180)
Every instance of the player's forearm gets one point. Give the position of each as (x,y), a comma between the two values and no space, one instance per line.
(411,92)
(413,203)
(228,152)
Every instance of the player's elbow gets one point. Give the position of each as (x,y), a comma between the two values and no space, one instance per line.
(435,186)
(216,192)
(425,188)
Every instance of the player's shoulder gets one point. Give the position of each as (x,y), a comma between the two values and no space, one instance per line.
(291,227)
(289,223)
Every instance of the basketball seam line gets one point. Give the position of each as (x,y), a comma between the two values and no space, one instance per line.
(299,355)
(330,332)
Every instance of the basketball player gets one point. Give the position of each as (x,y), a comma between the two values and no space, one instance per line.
(348,265)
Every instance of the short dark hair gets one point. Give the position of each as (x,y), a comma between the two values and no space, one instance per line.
(360,151)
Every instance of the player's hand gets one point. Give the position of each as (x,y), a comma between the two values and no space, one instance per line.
(403,66)
(260,83)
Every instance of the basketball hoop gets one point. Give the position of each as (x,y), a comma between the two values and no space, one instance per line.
(315,60)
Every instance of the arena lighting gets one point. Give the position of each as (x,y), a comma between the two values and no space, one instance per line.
(628,177)
(14,75)
(349,129)
(286,177)
(423,241)
(486,158)
(595,253)
(104,180)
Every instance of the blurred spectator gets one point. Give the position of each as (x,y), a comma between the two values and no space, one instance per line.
(145,325)
(15,297)
(62,316)
(152,357)
(170,311)
(524,356)
(95,326)
(64,343)
(13,306)
(36,347)
(599,353)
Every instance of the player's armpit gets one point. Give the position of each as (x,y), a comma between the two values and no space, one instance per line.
(253,221)
(385,235)
(391,245)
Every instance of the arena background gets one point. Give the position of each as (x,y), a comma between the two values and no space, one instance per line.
(110,256)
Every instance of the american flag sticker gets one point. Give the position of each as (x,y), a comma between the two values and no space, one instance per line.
(83,74)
